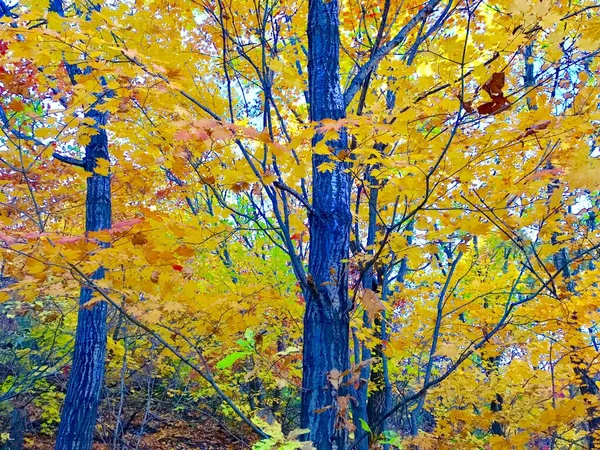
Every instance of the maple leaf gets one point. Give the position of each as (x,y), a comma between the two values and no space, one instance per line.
(16,105)
(544,173)
(139,239)
(468,107)
(497,105)
(240,186)
(102,167)
(269,177)
(372,304)
(494,85)
(534,128)
(334,376)
(183,135)
(326,167)
(91,303)
(126,225)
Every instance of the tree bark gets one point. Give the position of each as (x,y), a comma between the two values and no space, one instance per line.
(326,320)
(78,418)
(18,419)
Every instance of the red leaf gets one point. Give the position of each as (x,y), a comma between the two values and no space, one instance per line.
(126,224)
(177,267)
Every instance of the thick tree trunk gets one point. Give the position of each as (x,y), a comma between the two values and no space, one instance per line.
(78,418)
(326,320)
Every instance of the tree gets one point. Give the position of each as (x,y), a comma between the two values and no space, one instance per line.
(326,320)
(78,418)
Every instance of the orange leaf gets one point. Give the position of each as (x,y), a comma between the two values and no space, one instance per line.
(139,239)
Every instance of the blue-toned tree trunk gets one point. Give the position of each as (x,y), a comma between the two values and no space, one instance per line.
(86,377)
(78,417)
(326,320)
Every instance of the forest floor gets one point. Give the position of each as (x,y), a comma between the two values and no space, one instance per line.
(174,435)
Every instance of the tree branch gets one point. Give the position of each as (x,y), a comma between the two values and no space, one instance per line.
(294,194)
(68,159)
(385,49)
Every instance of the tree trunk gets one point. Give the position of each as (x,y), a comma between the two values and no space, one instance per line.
(326,320)
(361,393)
(18,419)
(78,418)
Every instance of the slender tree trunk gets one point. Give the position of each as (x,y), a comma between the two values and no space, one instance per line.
(380,400)
(587,384)
(18,420)
(361,393)
(326,320)
(78,418)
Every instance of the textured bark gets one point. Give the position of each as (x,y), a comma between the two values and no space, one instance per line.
(326,320)
(78,418)
(18,419)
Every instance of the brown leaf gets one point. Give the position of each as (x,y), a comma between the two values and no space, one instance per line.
(208,180)
(343,155)
(139,239)
(334,377)
(495,106)
(240,186)
(91,303)
(184,251)
(372,304)
(322,410)
(494,85)
(155,276)
(534,128)
(356,370)
(343,419)
(468,107)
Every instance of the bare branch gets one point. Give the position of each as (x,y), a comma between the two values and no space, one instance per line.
(68,159)
(385,49)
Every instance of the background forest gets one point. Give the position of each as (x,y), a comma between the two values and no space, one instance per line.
(295,224)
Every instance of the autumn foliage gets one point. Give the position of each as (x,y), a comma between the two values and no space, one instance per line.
(471,142)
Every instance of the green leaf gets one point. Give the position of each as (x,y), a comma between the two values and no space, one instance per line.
(364,425)
(392,438)
(230,359)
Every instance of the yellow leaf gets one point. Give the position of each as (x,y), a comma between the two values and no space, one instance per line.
(102,166)
(326,166)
